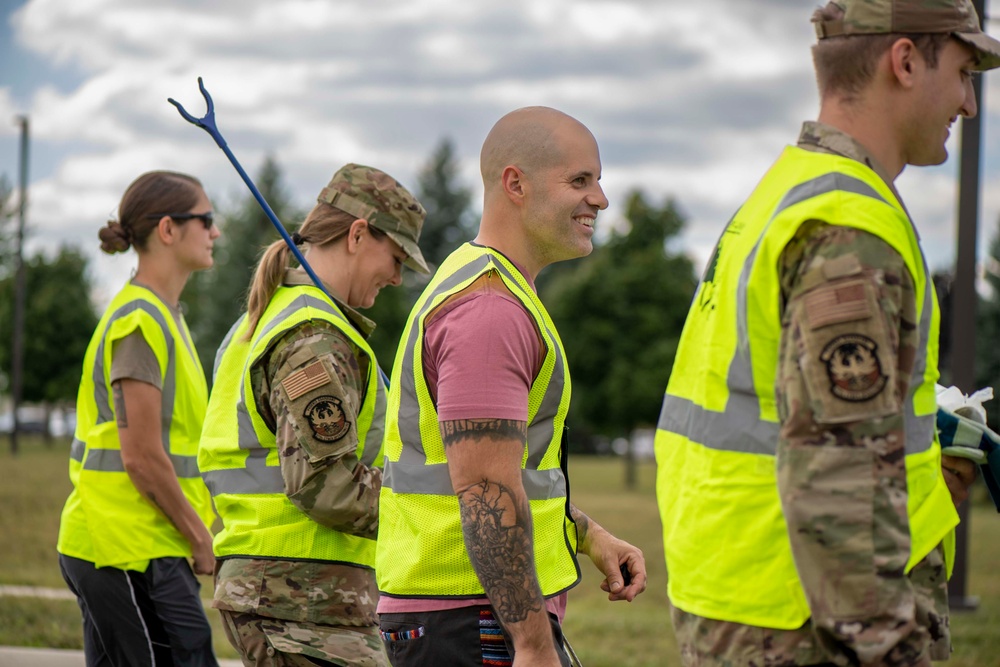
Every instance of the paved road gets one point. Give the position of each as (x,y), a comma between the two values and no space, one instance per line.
(13,656)
(16,656)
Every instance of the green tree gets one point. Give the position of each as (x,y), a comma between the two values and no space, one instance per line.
(621,312)
(214,299)
(449,223)
(59,321)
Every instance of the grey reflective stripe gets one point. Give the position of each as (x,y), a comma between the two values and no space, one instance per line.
(409,408)
(411,474)
(110,460)
(168,392)
(376,432)
(104,412)
(541,430)
(435,480)
(77,449)
(739,428)
(257,476)
(920,430)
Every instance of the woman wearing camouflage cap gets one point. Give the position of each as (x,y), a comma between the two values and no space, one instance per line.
(293,438)
(139,508)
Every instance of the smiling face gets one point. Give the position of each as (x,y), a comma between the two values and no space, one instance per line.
(945,94)
(379,263)
(195,242)
(563,196)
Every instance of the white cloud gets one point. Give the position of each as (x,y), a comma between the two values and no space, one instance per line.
(690,100)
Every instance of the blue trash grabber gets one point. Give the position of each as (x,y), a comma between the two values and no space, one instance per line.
(207,123)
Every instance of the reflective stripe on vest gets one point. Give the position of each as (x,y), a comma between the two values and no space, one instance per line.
(739,428)
(239,455)
(107,520)
(257,476)
(420,551)
(725,535)
(412,473)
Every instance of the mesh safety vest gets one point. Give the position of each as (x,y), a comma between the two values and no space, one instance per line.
(106,520)
(421,551)
(239,456)
(725,537)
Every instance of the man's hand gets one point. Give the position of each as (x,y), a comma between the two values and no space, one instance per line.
(611,555)
(959,474)
(203,556)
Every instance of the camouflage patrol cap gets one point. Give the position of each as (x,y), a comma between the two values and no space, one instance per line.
(876,17)
(371,194)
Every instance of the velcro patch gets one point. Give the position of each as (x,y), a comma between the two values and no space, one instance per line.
(326,418)
(837,303)
(302,382)
(853,367)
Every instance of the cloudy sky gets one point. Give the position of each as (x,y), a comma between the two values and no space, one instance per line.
(691,100)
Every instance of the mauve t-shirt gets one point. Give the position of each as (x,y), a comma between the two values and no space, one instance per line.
(481,353)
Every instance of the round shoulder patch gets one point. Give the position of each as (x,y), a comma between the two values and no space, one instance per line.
(853,367)
(326,418)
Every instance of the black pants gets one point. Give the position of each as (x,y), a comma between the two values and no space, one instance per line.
(141,619)
(462,637)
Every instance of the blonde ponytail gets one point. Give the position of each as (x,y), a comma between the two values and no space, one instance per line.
(267,279)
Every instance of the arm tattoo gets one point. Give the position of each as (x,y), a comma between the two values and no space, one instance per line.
(457,430)
(582,523)
(119,398)
(498,536)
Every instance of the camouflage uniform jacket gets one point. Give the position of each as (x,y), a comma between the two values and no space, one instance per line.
(842,481)
(323,479)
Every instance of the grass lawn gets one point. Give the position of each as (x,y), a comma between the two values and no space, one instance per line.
(604,634)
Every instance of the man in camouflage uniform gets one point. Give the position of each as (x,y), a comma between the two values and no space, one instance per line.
(311,387)
(851,332)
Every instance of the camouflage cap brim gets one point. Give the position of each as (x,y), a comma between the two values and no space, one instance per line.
(987,49)
(414,259)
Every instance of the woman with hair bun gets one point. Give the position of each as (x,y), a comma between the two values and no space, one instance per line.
(139,508)
(293,437)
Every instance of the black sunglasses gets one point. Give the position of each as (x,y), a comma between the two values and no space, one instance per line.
(206,218)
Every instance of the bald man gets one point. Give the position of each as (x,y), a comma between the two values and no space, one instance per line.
(478,539)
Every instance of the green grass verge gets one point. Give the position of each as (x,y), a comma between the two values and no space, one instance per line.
(604,634)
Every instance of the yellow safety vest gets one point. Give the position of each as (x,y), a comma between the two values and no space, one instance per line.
(421,551)
(726,542)
(239,456)
(106,520)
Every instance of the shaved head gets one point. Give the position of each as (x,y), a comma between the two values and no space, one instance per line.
(523,138)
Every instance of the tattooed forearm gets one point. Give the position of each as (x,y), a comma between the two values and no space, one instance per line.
(582,523)
(498,534)
(493,429)
(119,399)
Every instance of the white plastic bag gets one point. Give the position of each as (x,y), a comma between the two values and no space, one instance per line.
(970,407)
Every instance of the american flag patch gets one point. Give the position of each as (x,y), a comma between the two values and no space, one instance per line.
(832,305)
(303,381)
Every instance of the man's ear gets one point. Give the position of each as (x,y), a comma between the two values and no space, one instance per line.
(513,182)
(905,61)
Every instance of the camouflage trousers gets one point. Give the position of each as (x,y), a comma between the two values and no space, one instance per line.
(272,642)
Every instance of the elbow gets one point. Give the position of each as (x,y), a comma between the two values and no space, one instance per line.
(348,517)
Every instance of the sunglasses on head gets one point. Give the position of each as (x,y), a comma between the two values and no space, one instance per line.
(206,218)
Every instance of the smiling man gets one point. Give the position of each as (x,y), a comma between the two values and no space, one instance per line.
(477,538)
(807,508)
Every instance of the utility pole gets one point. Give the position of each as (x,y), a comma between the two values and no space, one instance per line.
(963,299)
(17,347)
